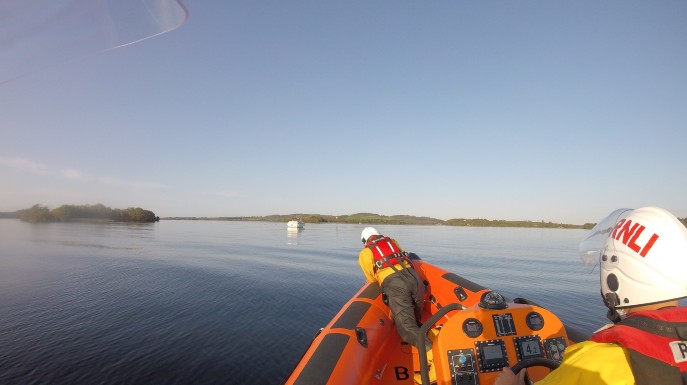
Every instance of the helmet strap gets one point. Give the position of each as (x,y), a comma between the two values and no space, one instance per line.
(372,238)
(611,300)
(616,315)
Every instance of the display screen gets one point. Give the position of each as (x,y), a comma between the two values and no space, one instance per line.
(530,349)
(472,328)
(535,321)
(492,352)
(492,355)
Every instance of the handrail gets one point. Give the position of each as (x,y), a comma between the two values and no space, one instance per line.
(422,352)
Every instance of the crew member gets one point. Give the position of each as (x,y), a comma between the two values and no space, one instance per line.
(383,261)
(643,273)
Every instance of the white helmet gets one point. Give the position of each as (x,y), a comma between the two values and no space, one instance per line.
(367,233)
(643,258)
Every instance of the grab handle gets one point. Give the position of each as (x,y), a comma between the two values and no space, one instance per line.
(424,367)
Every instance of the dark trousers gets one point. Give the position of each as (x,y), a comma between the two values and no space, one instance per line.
(406,295)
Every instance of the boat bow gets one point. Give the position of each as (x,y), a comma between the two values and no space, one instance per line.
(475,332)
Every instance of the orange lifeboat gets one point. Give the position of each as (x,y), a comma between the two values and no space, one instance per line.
(475,332)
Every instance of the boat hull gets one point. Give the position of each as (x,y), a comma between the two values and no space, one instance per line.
(361,345)
(295,224)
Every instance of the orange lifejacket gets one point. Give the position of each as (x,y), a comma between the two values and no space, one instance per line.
(386,253)
(657,343)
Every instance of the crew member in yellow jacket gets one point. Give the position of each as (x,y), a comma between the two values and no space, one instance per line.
(642,256)
(383,261)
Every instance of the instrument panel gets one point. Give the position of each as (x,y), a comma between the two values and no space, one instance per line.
(477,343)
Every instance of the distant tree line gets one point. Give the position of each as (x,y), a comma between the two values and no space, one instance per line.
(99,212)
(503,223)
(376,219)
(39,213)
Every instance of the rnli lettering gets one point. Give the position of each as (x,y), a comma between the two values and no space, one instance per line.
(679,349)
(401,373)
(628,233)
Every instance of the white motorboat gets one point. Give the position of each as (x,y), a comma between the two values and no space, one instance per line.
(295,224)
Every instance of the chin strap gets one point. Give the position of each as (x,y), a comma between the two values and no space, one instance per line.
(611,300)
(616,315)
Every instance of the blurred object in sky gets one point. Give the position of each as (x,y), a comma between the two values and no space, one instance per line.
(35,34)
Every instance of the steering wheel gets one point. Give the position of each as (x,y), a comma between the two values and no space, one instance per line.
(540,361)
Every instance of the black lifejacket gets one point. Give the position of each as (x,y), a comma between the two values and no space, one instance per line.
(386,253)
(657,343)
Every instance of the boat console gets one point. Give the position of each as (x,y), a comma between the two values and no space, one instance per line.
(475,343)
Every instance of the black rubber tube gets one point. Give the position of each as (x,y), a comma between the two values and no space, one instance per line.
(422,352)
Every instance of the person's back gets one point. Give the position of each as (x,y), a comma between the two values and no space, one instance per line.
(384,261)
(381,256)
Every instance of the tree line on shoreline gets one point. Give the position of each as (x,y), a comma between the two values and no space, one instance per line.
(80,213)
(101,213)
(376,219)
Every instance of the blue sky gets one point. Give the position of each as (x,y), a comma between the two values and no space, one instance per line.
(537,110)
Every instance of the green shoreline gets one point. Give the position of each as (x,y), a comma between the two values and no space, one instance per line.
(376,219)
(100,213)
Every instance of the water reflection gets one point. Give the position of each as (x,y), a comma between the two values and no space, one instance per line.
(292,234)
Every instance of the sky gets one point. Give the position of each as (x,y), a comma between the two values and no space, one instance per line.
(516,110)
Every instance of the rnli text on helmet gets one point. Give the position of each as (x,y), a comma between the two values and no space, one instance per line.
(630,234)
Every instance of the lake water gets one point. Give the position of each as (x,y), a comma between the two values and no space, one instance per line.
(212,302)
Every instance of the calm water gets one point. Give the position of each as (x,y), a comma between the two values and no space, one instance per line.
(205,302)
